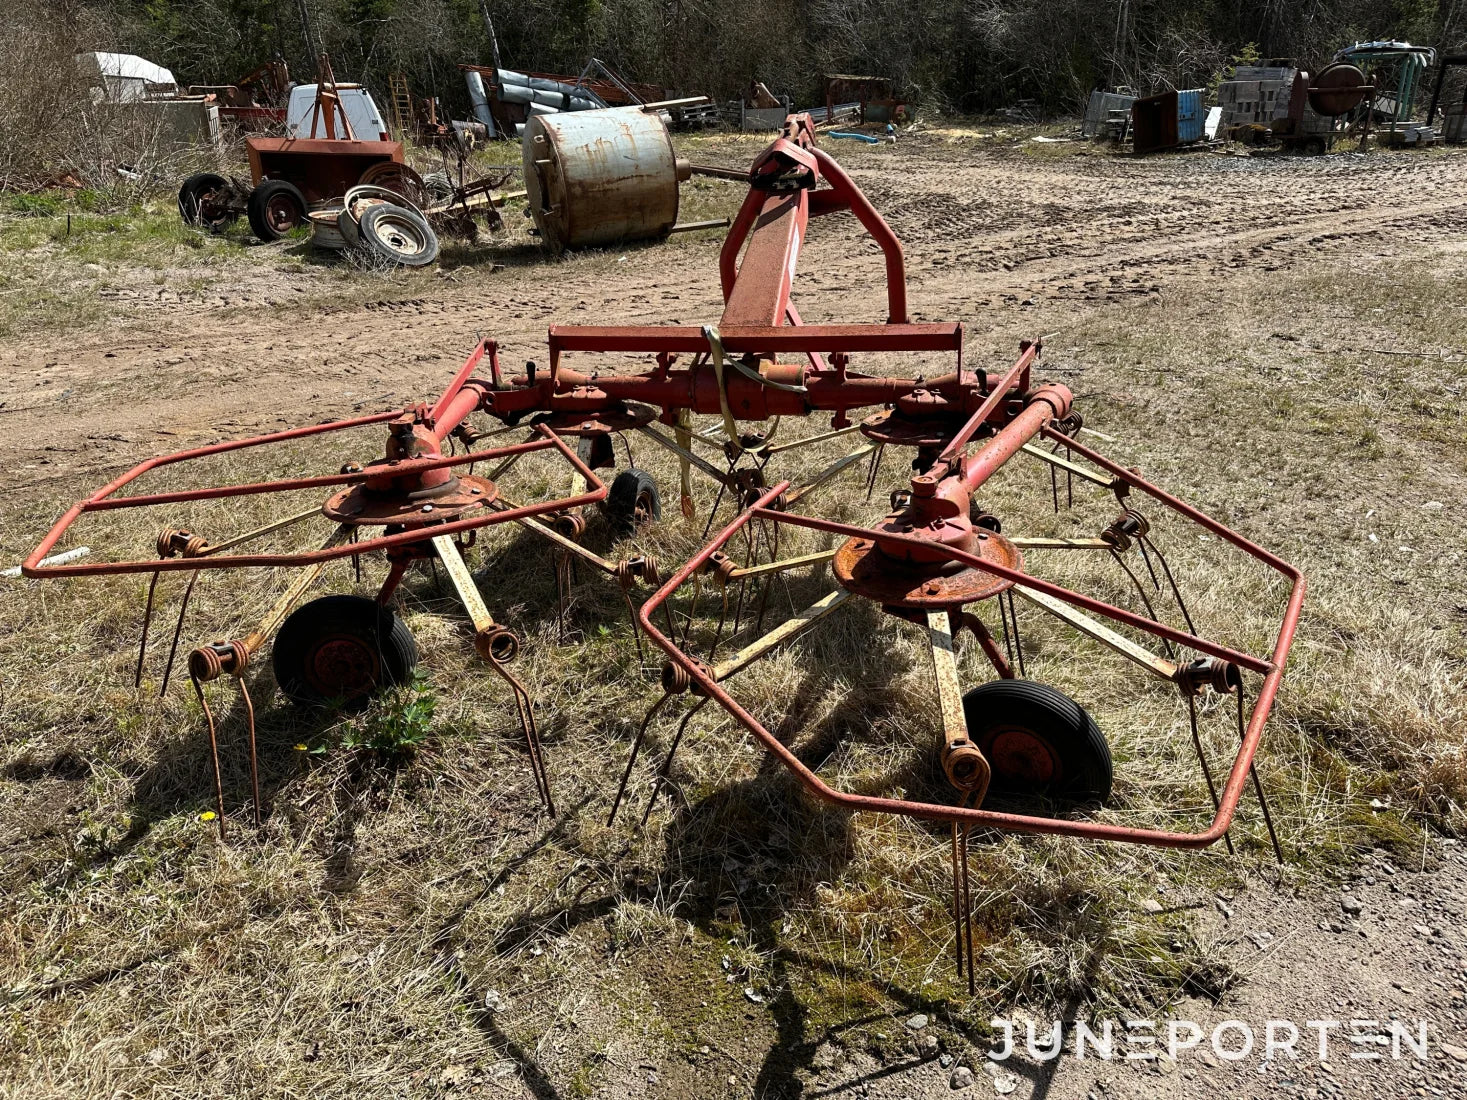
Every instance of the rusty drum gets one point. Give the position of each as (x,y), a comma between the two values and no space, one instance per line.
(597,177)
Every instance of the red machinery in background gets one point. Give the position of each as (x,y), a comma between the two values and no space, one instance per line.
(934,558)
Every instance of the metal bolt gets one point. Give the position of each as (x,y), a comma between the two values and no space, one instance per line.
(476,490)
(427,507)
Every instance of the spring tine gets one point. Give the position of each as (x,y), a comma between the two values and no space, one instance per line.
(722,618)
(177,630)
(1054,487)
(1278,852)
(1018,639)
(356,559)
(532,734)
(1141,545)
(137,678)
(632,759)
(214,751)
(626,446)
(764,590)
(957,905)
(1172,581)
(1008,644)
(713,512)
(871,475)
(1069,482)
(692,608)
(636,627)
(1206,769)
(739,607)
(968,913)
(1166,646)
(666,769)
(249,703)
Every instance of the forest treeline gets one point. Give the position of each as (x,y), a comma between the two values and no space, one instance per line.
(968,56)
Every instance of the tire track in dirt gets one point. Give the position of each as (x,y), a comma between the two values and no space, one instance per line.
(995,228)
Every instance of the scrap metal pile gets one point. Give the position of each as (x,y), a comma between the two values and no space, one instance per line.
(1014,754)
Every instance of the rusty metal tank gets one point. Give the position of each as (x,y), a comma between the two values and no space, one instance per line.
(597,177)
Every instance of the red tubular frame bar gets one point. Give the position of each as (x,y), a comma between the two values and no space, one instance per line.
(102,500)
(1271,669)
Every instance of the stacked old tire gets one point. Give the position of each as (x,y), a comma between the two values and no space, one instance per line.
(384,227)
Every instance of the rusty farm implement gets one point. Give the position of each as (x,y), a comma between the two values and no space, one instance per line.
(1014,754)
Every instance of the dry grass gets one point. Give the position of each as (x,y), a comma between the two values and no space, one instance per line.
(423,929)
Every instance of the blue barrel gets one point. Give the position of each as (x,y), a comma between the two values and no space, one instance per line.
(1189,116)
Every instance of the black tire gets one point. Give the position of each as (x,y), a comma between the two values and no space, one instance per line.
(341,650)
(194,208)
(346,225)
(275,208)
(398,235)
(1038,741)
(632,501)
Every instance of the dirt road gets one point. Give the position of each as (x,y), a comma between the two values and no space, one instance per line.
(986,235)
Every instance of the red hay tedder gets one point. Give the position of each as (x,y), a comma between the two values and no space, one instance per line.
(933,559)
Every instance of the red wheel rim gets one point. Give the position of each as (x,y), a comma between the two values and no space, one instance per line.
(1022,758)
(281,213)
(210,208)
(342,667)
(642,509)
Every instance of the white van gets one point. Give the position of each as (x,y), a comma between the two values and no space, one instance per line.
(303,119)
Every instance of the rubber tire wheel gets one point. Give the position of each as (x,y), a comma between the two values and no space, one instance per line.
(1003,715)
(632,501)
(275,193)
(368,230)
(375,651)
(189,194)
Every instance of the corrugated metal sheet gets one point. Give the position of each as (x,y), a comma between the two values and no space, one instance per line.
(1189,115)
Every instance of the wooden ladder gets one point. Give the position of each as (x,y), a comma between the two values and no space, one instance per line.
(402,105)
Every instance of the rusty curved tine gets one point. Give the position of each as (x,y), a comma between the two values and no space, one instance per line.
(722,619)
(1145,557)
(626,595)
(214,750)
(632,759)
(137,676)
(254,756)
(1054,487)
(626,446)
(871,474)
(1145,599)
(356,559)
(1008,595)
(962,899)
(722,488)
(1003,619)
(666,769)
(772,542)
(1172,581)
(177,630)
(692,608)
(1278,852)
(562,592)
(1206,768)
(532,734)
